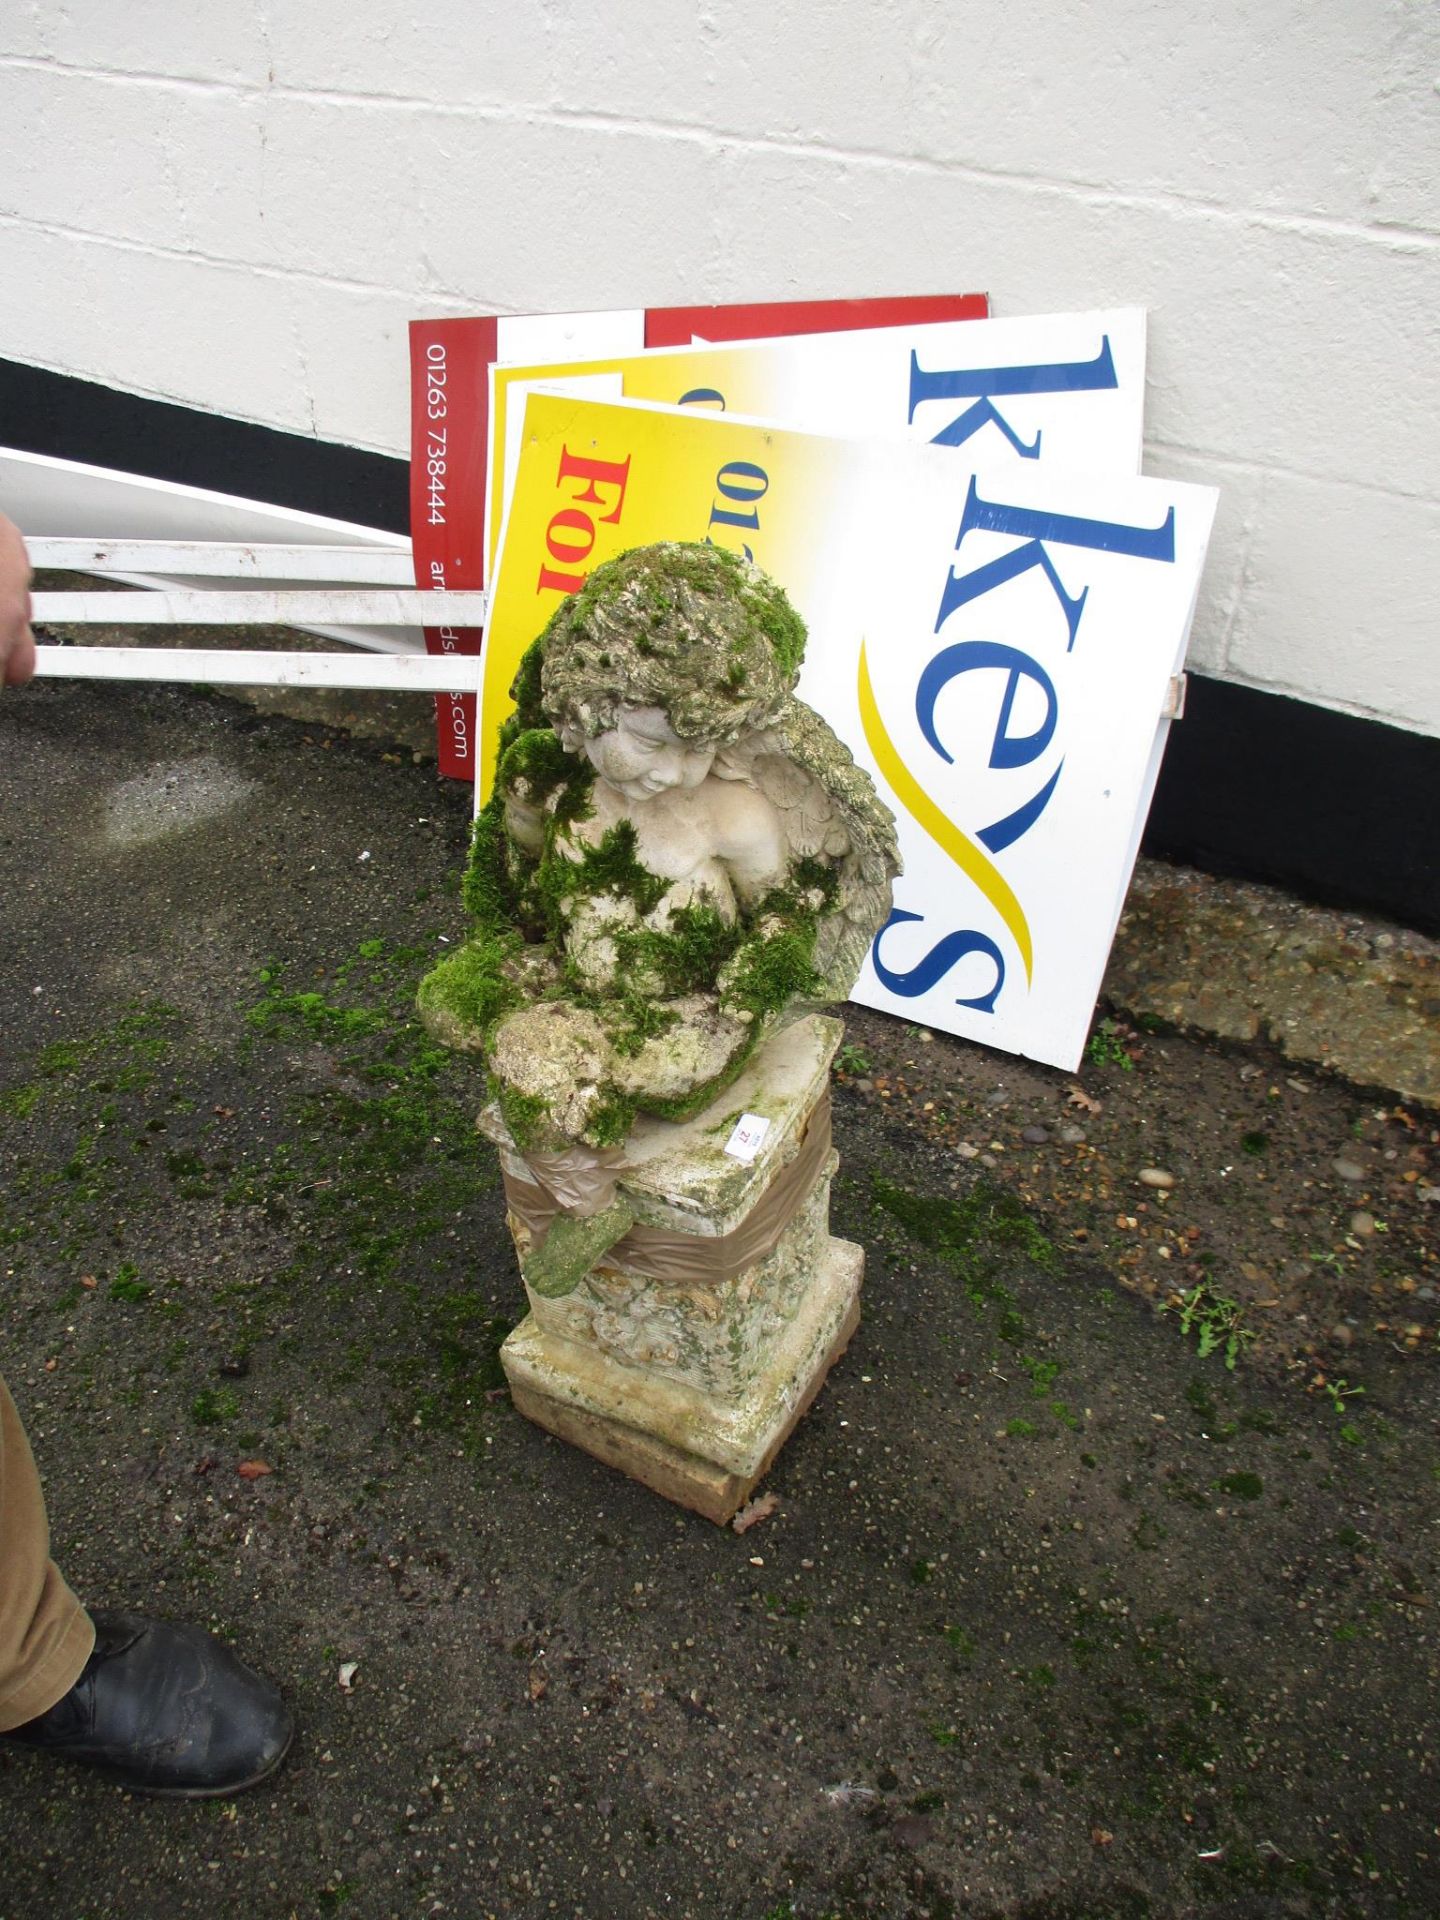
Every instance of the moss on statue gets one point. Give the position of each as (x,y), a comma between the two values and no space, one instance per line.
(648,630)
(471,990)
(498,889)
(525,691)
(526,1115)
(686,956)
(487,890)
(771,971)
(608,868)
(631,1020)
(661,698)
(613,1118)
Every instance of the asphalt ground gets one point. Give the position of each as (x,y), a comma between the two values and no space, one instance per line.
(1058,1615)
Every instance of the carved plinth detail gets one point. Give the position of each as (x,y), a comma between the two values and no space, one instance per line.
(692,1384)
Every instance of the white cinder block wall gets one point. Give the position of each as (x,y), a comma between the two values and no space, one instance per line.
(238,204)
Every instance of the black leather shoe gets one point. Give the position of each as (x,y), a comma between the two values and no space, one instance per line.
(165,1709)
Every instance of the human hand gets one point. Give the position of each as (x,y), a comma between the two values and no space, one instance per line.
(17,642)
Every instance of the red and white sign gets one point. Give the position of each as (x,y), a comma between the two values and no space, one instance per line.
(450,363)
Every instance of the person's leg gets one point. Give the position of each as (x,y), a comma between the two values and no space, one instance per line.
(45,1634)
(160,1707)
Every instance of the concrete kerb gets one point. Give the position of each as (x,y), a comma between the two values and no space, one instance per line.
(1342,991)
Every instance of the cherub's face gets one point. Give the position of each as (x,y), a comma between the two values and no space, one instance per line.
(641,755)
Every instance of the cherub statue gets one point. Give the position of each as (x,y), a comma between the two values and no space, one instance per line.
(675,851)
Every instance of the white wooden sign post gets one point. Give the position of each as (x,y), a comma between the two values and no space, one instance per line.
(359,606)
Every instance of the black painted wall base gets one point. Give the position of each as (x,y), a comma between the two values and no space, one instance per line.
(70,419)
(1341,811)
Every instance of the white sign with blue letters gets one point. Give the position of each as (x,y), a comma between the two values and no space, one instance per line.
(1001,666)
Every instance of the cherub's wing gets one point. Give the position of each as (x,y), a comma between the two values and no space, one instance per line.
(831,814)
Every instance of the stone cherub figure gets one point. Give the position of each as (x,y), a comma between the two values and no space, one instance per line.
(676,850)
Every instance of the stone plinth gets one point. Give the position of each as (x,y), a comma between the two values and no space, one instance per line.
(688,1354)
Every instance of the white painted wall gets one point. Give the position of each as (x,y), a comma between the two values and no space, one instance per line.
(238,204)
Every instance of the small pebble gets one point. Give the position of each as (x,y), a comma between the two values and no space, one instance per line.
(1425,1293)
(1348,1170)
(1156,1177)
(1430,1194)
(1072,1135)
(1037,1136)
(1362,1224)
(1342,1335)
(863,1086)
(966,1151)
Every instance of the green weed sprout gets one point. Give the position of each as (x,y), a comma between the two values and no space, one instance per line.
(1215,1319)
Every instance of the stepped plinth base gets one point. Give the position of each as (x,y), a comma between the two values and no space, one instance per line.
(706,1457)
(686,1356)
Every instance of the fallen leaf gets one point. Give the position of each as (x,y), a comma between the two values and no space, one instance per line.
(225,1113)
(539,1681)
(1078,1097)
(1100,1837)
(754,1511)
(253,1469)
(346,1675)
(88,1281)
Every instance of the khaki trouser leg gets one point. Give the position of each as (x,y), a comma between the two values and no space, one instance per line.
(45,1634)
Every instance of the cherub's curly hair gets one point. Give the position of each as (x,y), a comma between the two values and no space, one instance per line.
(693,630)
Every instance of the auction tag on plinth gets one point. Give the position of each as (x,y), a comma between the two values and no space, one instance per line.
(748,1138)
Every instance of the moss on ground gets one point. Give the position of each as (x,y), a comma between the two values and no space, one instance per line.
(973,1235)
(977,1237)
(365,1173)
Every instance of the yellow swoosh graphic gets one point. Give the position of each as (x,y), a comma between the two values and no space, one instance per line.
(970,859)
